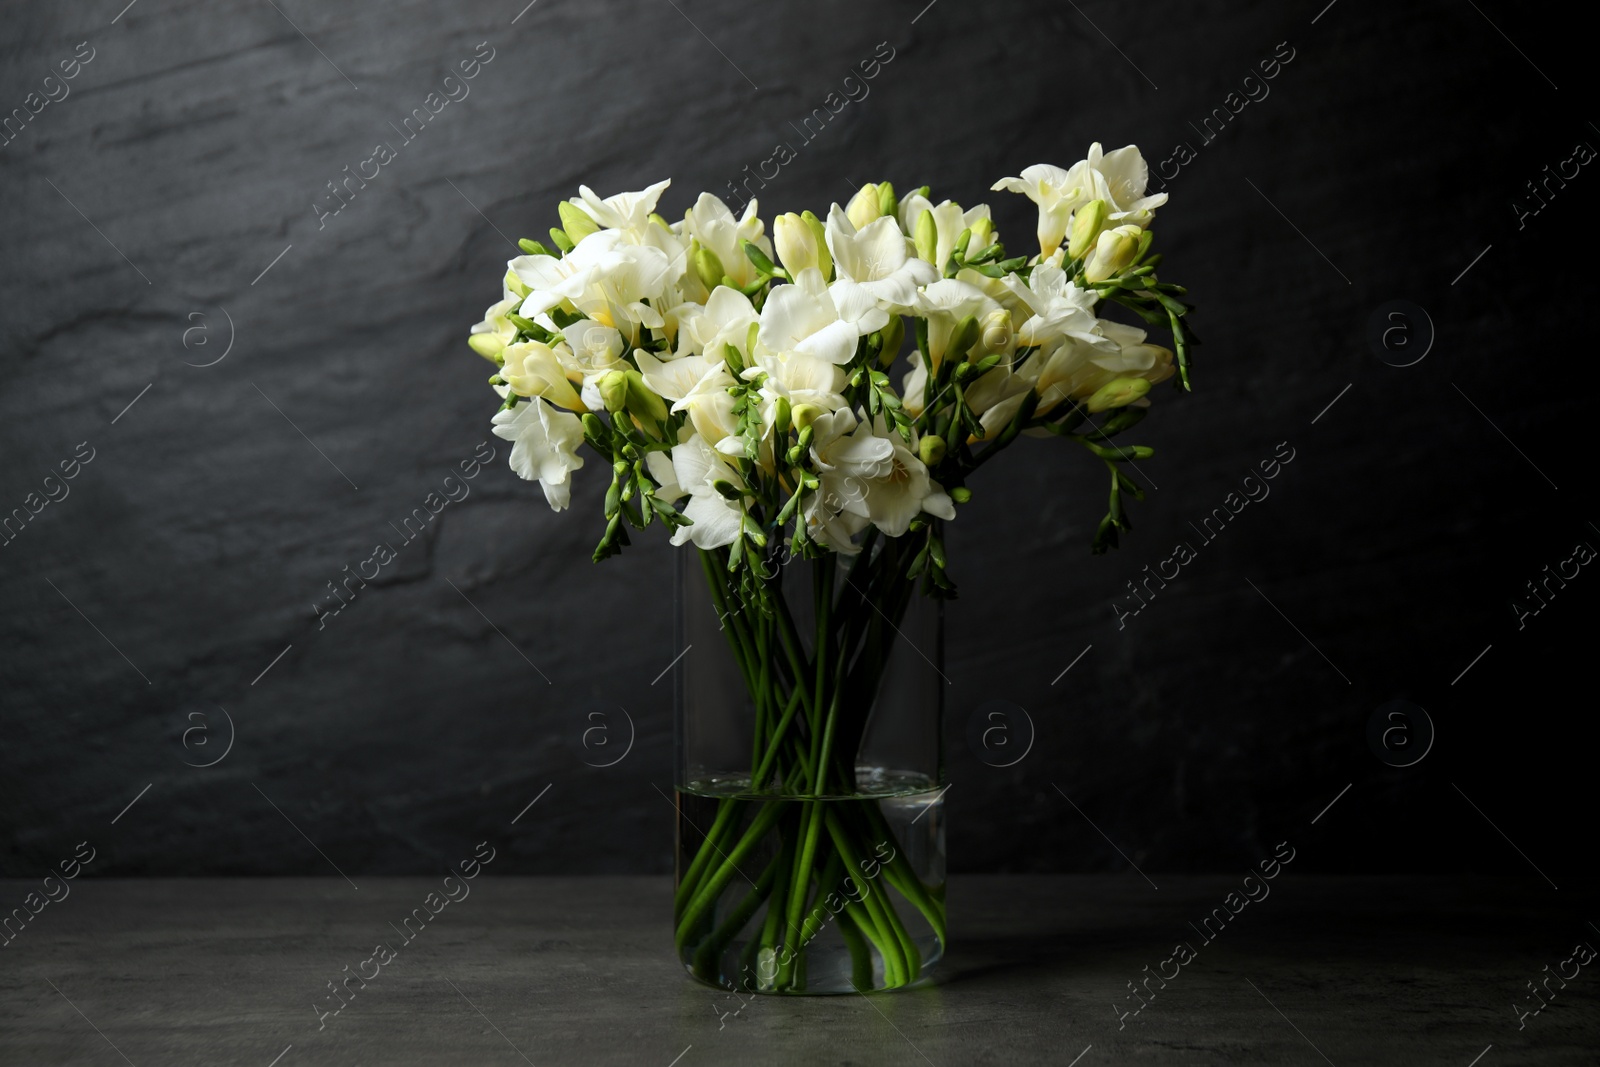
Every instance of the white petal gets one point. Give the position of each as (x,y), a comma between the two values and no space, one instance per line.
(855,305)
(715,521)
(666,476)
(939,504)
(674,379)
(834,343)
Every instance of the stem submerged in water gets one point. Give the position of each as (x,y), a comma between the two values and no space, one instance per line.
(834,856)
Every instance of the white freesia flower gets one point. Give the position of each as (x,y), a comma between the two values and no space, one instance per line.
(1070,369)
(628,212)
(545,447)
(878,258)
(490,337)
(1119,178)
(949,220)
(1059,308)
(696,384)
(944,304)
(997,397)
(1125,176)
(712,224)
(1057,193)
(870,468)
(625,279)
(819,321)
(798,378)
(836,512)
(550,278)
(533,368)
(1062,370)
(1134,358)
(715,520)
(591,350)
(828,524)
(594,348)
(603,278)
(725,319)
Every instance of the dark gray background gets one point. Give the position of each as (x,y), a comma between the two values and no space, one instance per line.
(207,525)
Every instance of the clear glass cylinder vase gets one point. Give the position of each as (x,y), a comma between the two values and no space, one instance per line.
(810,770)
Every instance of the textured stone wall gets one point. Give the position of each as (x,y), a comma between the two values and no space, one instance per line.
(253,392)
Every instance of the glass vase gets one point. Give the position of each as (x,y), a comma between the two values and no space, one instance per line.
(810,836)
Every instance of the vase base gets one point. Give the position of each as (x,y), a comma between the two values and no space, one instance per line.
(811,896)
(840,982)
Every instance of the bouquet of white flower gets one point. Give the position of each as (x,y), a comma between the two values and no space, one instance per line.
(743,396)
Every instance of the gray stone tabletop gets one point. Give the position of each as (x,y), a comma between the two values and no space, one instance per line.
(581,971)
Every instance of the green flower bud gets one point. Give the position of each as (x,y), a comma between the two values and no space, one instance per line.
(982,233)
(514,284)
(961,494)
(576,221)
(1117,394)
(1087,222)
(964,337)
(863,207)
(648,407)
(781,414)
(613,388)
(925,234)
(803,416)
(726,488)
(593,427)
(489,346)
(887,201)
(894,335)
(561,239)
(931,450)
(806,436)
(758,259)
(707,267)
(820,232)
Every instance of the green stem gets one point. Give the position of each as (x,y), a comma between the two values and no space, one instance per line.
(726,810)
(708,893)
(705,957)
(860,959)
(898,967)
(772,933)
(832,692)
(899,873)
(800,876)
